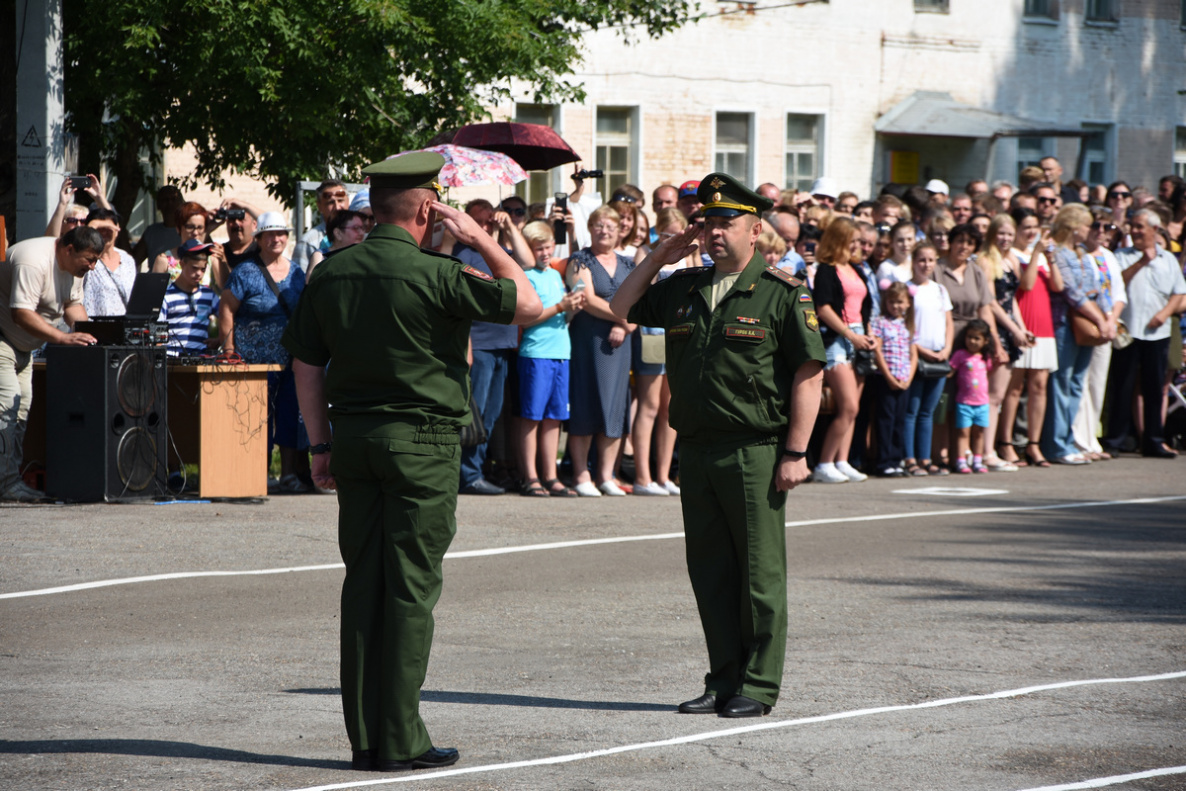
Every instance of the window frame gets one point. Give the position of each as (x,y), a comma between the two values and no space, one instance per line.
(1179,155)
(790,149)
(609,183)
(932,6)
(536,181)
(751,143)
(1047,17)
(1111,20)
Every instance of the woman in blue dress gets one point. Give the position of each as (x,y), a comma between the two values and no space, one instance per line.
(255,305)
(599,383)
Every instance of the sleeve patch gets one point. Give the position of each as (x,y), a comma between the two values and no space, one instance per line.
(469,270)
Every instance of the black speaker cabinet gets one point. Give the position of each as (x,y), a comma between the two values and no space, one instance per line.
(105,422)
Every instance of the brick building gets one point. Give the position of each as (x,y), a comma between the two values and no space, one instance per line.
(869,91)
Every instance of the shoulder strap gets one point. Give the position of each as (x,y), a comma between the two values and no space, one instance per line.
(275,289)
(784,276)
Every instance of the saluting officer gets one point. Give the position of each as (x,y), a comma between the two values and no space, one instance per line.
(392,322)
(744,362)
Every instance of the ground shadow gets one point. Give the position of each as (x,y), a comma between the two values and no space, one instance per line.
(499,699)
(159,749)
(1122,565)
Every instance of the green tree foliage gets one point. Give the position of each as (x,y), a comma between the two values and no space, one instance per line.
(280,89)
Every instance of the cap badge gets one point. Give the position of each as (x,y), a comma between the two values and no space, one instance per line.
(716,184)
(716,197)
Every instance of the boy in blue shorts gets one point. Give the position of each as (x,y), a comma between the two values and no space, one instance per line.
(544,352)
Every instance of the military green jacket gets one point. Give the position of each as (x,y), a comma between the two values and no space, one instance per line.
(392,321)
(731,370)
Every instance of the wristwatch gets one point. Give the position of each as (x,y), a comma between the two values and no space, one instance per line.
(794,455)
(319,448)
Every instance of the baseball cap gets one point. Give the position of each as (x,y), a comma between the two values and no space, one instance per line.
(193,247)
(688,188)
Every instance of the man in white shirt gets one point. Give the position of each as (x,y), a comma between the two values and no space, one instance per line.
(40,285)
(1156,291)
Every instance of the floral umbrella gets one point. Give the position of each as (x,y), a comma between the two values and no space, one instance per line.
(469,167)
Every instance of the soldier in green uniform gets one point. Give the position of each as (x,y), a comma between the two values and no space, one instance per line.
(392,321)
(744,362)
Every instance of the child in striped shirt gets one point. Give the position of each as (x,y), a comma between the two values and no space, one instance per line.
(189,305)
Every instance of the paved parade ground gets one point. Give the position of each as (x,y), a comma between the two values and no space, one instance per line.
(991,633)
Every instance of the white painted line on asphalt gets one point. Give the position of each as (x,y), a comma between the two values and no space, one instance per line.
(765,726)
(952,491)
(478,553)
(1102,782)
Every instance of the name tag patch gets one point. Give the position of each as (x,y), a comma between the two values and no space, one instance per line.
(745,333)
(680,331)
(469,270)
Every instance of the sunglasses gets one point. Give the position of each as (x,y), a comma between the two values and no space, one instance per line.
(1102,226)
(516,212)
(1047,200)
(73,221)
(1119,195)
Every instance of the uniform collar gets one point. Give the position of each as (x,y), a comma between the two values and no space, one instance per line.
(391,231)
(744,284)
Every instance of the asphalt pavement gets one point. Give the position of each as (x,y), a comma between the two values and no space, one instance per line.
(992,632)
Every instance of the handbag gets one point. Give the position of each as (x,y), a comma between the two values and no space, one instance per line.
(475,433)
(1123,337)
(1086,332)
(864,363)
(933,369)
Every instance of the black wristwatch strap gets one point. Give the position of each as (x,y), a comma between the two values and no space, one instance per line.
(794,455)
(319,448)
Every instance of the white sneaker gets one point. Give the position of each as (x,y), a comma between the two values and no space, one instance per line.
(587,489)
(653,489)
(851,472)
(21,492)
(827,473)
(671,488)
(610,488)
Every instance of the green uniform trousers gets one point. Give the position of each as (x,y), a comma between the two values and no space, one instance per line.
(397,501)
(735,523)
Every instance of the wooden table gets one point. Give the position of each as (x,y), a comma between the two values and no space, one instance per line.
(218,416)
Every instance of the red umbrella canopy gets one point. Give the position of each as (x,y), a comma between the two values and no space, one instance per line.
(533,146)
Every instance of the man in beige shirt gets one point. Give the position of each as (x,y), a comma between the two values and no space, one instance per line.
(40,285)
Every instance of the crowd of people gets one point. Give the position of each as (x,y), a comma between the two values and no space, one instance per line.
(999,327)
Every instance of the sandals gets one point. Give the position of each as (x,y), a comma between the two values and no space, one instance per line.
(562,491)
(532,488)
(913,469)
(1035,462)
(935,469)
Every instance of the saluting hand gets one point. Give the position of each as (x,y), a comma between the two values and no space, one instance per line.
(463,227)
(674,249)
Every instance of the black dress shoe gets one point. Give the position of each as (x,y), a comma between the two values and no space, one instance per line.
(705,704)
(741,706)
(434,758)
(364,760)
(483,486)
(1158,452)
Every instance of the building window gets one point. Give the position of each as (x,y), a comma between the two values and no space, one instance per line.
(931,6)
(1101,11)
(1031,150)
(615,146)
(1094,165)
(733,145)
(538,186)
(1180,151)
(1041,9)
(1182,15)
(803,150)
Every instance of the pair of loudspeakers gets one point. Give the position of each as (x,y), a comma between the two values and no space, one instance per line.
(106,426)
